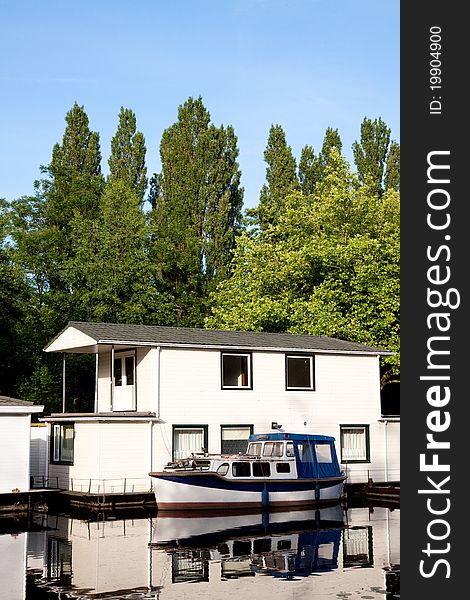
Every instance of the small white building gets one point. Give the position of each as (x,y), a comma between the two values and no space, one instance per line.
(15,426)
(164,392)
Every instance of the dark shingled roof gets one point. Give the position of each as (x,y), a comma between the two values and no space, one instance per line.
(113,333)
(6,401)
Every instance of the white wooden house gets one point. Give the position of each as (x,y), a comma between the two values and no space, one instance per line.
(164,392)
(15,427)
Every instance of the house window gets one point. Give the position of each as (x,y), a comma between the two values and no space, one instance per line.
(234,438)
(300,372)
(354,440)
(189,439)
(124,369)
(62,444)
(236,371)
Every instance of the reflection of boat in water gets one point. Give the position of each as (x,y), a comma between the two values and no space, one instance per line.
(283,544)
(202,530)
(278,469)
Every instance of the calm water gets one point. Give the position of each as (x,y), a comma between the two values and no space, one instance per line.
(332,553)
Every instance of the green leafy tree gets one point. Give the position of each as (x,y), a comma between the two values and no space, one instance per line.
(42,234)
(110,266)
(71,190)
(15,300)
(127,159)
(308,170)
(329,267)
(331,140)
(281,179)
(75,181)
(312,168)
(196,212)
(370,153)
(392,168)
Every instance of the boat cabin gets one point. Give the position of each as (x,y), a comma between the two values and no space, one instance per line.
(272,455)
(314,455)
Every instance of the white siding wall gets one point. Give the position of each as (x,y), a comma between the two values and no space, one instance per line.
(14,452)
(38,451)
(104,382)
(107,453)
(393,451)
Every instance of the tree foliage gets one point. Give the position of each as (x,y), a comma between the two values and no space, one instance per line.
(370,154)
(110,269)
(281,179)
(196,213)
(312,168)
(392,168)
(330,266)
(127,159)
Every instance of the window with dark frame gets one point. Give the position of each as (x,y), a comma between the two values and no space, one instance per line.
(300,372)
(234,438)
(236,371)
(62,442)
(188,440)
(354,443)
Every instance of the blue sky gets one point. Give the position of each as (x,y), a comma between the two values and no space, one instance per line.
(303,64)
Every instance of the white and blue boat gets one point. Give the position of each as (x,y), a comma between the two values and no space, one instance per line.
(278,470)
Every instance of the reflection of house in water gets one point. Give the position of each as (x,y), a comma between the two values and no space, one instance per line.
(95,558)
(118,557)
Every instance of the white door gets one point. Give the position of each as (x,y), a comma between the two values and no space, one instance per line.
(124,381)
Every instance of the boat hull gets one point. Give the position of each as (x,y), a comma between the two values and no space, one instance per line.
(201,491)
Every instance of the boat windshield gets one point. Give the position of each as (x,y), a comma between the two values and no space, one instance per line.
(273,448)
(254,449)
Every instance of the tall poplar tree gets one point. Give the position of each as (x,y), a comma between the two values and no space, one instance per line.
(75,181)
(127,159)
(196,213)
(312,168)
(110,266)
(370,153)
(392,168)
(308,170)
(281,179)
(331,140)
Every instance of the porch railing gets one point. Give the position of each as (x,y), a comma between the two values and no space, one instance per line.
(124,485)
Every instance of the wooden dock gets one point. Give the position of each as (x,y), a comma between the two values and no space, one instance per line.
(67,499)
(384,492)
